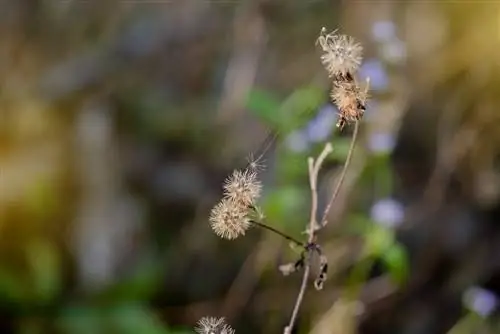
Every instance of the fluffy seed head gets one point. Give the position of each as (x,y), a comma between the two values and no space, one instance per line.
(350,99)
(341,53)
(243,187)
(229,219)
(212,325)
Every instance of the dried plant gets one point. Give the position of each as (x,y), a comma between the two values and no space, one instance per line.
(238,210)
(212,325)
(341,58)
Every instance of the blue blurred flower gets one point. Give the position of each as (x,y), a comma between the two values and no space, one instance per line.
(381,143)
(320,128)
(374,70)
(383,31)
(481,301)
(387,212)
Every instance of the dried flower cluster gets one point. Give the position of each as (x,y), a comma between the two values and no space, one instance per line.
(341,58)
(212,325)
(230,217)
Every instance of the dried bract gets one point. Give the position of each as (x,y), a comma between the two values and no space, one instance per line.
(229,220)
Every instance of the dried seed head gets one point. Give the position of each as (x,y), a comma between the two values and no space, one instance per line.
(226,329)
(229,220)
(243,187)
(341,55)
(212,325)
(350,99)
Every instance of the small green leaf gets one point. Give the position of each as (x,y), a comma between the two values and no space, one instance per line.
(284,207)
(264,106)
(297,109)
(378,240)
(396,261)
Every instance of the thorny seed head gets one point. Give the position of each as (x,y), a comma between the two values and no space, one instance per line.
(243,187)
(342,54)
(229,220)
(212,325)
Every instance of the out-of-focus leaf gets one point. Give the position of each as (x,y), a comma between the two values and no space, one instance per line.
(12,288)
(284,207)
(340,149)
(264,106)
(81,320)
(396,261)
(292,167)
(139,286)
(294,112)
(378,240)
(359,224)
(297,109)
(132,319)
(45,268)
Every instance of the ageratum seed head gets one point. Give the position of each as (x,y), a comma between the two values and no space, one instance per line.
(229,220)
(341,54)
(243,187)
(212,325)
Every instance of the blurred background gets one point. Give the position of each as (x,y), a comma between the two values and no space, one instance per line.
(119,121)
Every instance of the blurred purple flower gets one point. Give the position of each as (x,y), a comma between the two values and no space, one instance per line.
(387,212)
(320,128)
(383,31)
(297,141)
(374,70)
(481,301)
(381,143)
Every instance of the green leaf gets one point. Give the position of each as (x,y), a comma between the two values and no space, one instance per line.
(141,285)
(132,319)
(292,167)
(264,106)
(81,320)
(359,224)
(378,240)
(396,261)
(284,207)
(297,109)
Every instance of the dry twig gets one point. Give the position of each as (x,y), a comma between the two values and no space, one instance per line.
(314,167)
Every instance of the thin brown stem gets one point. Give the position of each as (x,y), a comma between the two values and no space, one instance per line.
(278,232)
(314,167)
(300,297)
(336,191)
